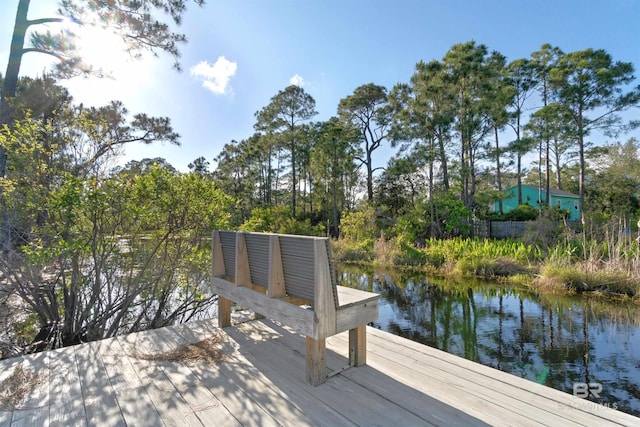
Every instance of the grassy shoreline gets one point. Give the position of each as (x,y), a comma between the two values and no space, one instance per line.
(593,270)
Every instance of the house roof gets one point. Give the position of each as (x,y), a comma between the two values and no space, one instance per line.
(552,191)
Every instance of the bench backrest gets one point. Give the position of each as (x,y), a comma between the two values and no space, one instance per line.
(285,265)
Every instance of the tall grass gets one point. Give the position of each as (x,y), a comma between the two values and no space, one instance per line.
(602,259)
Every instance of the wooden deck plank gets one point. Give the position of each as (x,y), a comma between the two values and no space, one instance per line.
(457,390)
(67,403)
(406,398)
(169,403)
(37,364)
(262,383)
(259,388)
(5,418)
(200,399)
(136,405)
(256,388)
(229,393)
(253,390)
(30,417)
(100,402)
(357,404)
(350,398)
(270,356)
(202,402)
(537,395)
(293,343)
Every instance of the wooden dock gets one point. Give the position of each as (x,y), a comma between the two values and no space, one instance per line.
(260,381)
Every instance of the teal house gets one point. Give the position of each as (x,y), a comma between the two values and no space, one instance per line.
(531,196)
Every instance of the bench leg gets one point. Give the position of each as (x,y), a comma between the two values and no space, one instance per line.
(224,312)
(358,346)
(316,361)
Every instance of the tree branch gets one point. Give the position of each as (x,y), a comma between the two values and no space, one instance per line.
(44,21)
(47,52)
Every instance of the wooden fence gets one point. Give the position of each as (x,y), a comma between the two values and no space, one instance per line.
(507,229)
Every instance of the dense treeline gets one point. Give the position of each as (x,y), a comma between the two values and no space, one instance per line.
(465,127)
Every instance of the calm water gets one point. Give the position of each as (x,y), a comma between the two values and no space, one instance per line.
(556,342)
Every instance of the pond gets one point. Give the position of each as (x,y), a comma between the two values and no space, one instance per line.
(572,344)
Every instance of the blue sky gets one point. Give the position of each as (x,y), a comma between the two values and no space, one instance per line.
(242,52)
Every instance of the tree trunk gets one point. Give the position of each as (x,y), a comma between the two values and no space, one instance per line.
(547,168)
(558,177)
(519,173)
(431,201)
(293,178)
(443,162)
(582,165)
(498,174)
(369,174)
(11,76)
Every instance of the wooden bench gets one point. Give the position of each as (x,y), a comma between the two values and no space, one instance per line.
(291,279)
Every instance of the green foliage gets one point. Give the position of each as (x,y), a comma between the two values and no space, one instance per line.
(452,216)
(462,256)
(283,117)
(97,254)
(353,251)
(358,236)
(547,230)
(279,220)
(409,255)
(614,189)
(460,248)
(359,226)
(411,227)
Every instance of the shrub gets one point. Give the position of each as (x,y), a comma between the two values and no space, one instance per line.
(278,220)
(523,213)
(359,225)
(355,252)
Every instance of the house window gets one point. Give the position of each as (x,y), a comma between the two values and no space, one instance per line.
(558,203)
(575,205)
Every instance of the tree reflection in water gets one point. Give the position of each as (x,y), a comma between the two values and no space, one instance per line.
(557,341)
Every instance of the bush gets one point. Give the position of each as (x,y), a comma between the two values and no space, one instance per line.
(355,252)
(278,220)
(359,225)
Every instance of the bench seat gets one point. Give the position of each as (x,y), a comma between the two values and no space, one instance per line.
(290,279)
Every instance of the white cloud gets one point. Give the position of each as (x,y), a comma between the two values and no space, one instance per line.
(215,77)
(297,80)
